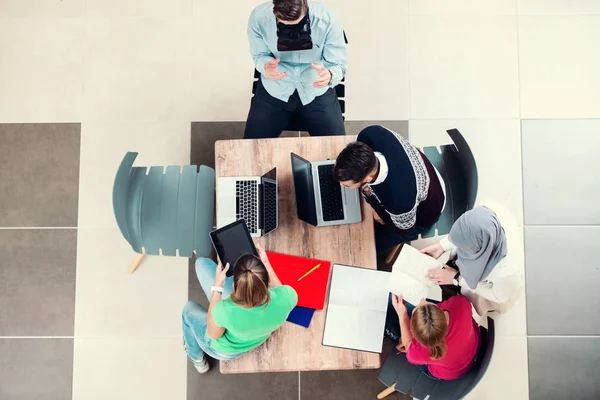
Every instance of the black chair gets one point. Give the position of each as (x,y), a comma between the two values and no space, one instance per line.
(404,377)
(295,125)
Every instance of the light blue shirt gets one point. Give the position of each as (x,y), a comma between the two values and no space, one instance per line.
(329,49)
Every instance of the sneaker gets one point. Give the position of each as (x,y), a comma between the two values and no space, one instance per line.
(201,365)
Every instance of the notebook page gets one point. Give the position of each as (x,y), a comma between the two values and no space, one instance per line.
(415,264)
(353,328)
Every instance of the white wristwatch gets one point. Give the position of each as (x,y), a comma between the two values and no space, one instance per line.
(217,289)
(455,282)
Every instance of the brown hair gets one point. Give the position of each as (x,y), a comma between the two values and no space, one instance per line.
(354,163)
(250,282)
(429,326)
(289,10)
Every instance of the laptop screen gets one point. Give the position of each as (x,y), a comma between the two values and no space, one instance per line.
(269,213)
(304,189)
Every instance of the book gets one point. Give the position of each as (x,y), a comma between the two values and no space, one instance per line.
(357,308)
(408,278)
(301,316)
(312,288)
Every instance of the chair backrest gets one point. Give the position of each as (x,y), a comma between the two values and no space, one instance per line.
(456,164)
(168,211)
(410,380)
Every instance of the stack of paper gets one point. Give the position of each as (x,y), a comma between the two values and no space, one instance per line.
(408,278)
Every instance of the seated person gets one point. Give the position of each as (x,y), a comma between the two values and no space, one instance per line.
(244,309)
(296,82)
(406,192)
(479,248)
(442,339)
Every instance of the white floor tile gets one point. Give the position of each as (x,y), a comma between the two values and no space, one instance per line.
(558,6)
(41,69)
(462,7)
(138,69)
(136,8)
(128,369)
(496,146)
(42,8)
(559,64)
(103,146)
(507,374)
(223,70)
(110,302)
(463,67)
(377,77)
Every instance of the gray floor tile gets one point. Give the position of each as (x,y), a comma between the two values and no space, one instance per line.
(37,282)
(564,368)
(34,369)
(204,136)
(560,180)
(347,385)
(39,174)
(195,292)
(562,275)
(215,386)
(354,127)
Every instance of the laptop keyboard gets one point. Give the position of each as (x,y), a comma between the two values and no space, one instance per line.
(246,202)
(331,194)
(270,206)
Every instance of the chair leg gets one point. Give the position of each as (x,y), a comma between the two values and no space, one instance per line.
(138,260)
(393,252)
(385,393)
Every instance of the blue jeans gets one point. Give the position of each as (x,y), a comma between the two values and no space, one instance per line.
(194,317)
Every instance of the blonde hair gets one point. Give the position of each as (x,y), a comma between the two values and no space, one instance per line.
(250,282)
(429,326)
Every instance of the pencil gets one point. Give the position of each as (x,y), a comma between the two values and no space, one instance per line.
(309,272)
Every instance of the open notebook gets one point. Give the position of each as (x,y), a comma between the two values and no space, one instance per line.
(356,309)
(408,276)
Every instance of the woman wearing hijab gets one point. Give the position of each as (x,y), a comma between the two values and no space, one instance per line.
(486,257)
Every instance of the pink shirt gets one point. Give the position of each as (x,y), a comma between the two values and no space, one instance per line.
(462,342)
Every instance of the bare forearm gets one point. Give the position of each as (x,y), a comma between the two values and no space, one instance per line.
(273,279)
(405,333)
(214,299)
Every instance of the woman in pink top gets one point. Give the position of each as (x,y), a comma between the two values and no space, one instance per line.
(442,339)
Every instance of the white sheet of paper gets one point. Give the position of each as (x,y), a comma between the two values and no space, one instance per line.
(357,308)
(408,276)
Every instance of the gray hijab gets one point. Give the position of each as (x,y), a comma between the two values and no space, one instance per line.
(480,242)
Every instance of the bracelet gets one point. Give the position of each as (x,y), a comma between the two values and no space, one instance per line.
(217,289)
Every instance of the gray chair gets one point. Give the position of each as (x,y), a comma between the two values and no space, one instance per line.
(164,211)
(456,164)
(401,376)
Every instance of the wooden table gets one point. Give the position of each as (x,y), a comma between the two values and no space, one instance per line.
(292,347)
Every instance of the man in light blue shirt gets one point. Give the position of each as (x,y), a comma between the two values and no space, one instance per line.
(296,83)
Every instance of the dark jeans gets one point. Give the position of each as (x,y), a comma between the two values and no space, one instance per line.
(387,237)
(269,116)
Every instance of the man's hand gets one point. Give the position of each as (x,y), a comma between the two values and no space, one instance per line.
(441,276)
(435,250)
(377,218)
(271,70)
(221,274)
(324,76)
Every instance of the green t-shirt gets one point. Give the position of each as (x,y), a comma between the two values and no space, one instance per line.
(248,328)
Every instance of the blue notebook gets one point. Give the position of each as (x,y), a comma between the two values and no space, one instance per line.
(301,316)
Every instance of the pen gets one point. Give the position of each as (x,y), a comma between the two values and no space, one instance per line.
(309,272)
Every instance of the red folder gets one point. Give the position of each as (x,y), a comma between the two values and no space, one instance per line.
(312,288)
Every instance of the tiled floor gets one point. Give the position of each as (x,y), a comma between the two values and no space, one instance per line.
(84,81)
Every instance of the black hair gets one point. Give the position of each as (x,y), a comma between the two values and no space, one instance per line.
(289,10)
(354,163)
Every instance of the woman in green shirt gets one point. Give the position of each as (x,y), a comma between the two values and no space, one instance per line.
(244,309)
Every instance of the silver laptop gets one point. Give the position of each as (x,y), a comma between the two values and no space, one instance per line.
(320,199)
(252,198)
